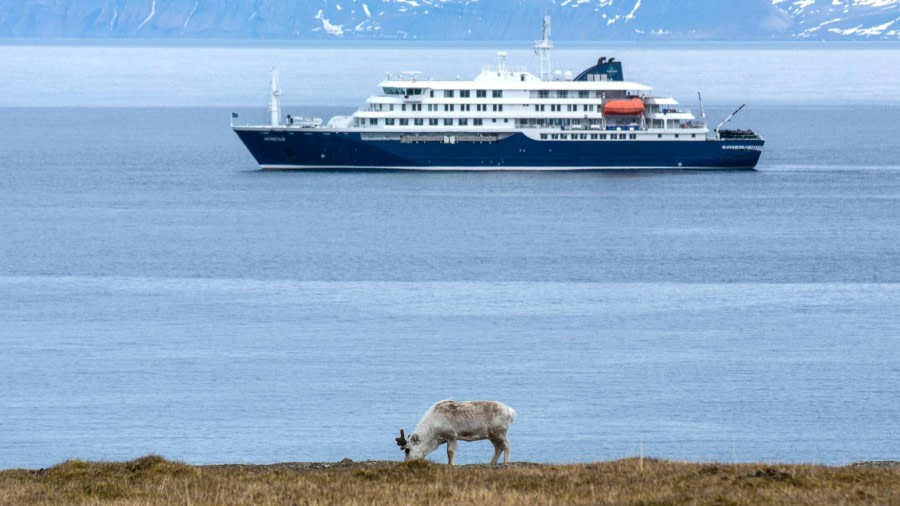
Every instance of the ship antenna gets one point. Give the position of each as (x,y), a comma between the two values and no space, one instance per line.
(542,49)
(275,101)
(702,112)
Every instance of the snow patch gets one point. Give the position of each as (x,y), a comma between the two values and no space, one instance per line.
(152,13)
(336,30)
(112,23)
(637,5)
(188,20)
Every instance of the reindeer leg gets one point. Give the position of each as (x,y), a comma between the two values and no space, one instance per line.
(451,450)
(498,447)
(501,445)
(505,450)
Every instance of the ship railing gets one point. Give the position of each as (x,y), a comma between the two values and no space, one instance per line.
(509,68)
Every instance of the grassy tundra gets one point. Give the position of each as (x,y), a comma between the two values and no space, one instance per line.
(154,480)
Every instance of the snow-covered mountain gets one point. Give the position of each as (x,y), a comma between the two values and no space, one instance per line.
(453,19)
(849,19)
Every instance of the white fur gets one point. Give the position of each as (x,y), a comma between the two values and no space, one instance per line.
(448,421)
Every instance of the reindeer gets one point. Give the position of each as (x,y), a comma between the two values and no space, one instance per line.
(449,421)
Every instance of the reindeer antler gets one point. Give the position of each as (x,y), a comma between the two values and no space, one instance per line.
(401,441)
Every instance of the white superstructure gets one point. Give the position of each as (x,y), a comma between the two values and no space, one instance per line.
(506,100)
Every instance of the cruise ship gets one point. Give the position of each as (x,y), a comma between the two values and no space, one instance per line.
(505,119)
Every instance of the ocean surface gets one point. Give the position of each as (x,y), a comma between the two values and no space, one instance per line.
(158,294)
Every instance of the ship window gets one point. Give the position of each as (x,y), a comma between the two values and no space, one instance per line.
(543,93)
(481,93)
(497,93)
(562,94)
(433,122)
(659,136)
(593,137)
(464,107)
(390,107)
(403,107)
(693,136)
(554,136)
(498,107)
(431,93)
(544,136)
(418,121)
(463,122)
(448,121)
(373,121)
(676,136)
(448,93)
(389,121)
(583,94)
(602,137)
(464,94)
(564,136)
(632,136)
(404,121)
(477,121)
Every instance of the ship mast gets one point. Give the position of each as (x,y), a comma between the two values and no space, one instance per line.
(542,49)
(275,102)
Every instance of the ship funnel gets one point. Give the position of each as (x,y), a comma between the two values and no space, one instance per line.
(275,100)
(601,60)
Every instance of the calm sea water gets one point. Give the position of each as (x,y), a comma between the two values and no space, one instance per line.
(159,294)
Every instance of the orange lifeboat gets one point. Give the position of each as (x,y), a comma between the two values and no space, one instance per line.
(628,107)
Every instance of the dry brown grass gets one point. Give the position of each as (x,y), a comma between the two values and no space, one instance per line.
(154,480)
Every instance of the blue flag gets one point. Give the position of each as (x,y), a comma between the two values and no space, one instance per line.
(234,115)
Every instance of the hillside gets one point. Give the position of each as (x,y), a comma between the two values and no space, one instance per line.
(453,19)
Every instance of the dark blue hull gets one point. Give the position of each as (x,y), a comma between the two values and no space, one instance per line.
(328,149)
